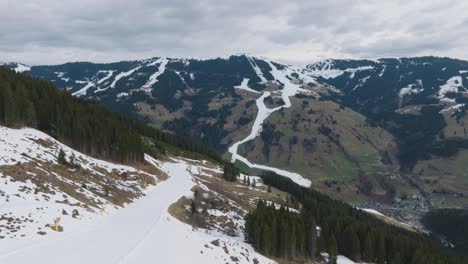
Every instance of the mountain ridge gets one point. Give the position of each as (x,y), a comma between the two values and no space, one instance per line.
(410,99)
(210,199)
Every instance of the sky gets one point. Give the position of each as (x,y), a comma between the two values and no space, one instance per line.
(294,31)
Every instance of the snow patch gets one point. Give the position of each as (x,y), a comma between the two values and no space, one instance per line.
(453,107)
(325,69)
(244,86)
(452,85)
(21,68)
(257,69)
(154,78)
(83,90)
(372,211)
(122,75)
(411,89)
(105,78)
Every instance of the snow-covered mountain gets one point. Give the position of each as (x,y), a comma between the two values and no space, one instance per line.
(400,81)
(359,120)
(18,67)
(305,123)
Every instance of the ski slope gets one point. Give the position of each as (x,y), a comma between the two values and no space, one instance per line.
(141,232)
(289,89)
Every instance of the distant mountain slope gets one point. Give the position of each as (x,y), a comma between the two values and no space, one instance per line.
(49,179)
(414,98)
(416,105)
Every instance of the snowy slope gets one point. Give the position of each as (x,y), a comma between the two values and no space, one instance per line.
(141,231)
(17,67)
(35,189)
(289,89)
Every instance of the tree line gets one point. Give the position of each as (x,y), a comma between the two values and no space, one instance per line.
(84,125)
(327,225)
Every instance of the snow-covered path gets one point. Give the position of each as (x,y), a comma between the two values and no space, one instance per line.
(289,89)
(121,236)
(142,232)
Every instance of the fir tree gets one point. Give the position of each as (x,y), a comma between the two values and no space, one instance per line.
(61,159)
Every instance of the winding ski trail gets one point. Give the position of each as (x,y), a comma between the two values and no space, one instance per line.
(289,89)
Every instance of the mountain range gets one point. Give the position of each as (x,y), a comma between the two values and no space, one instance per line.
(73,170)
(387,132)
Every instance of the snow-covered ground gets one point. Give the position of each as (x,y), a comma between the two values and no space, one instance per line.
(326,69)
(141,232)
(83,90)
(123,74)
(289,89)
(344,260)
(34,189)
(244,86)
(154,77)
(257,69)
(411,89)
(452,85)
(105,78)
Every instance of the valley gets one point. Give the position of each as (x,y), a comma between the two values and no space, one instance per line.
(79,174)
(227,132)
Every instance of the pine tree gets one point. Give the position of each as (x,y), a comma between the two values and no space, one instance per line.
(368,249)
(380,247)
(61,159)
(332,249)
(355,247)
(312,238)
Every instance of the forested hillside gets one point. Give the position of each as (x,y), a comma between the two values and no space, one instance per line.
(326,225)
(85,125)
(388,134)
(451,225)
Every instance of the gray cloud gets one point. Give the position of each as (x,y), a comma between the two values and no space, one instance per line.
(296,31)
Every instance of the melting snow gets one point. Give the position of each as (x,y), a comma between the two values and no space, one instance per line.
(361,82)
(325,70)
(289,89)
(453,107)
(411,89)
(451,85)
(83,90)
(21,68)
(244,86)
(154,78)
(109,74)
(257,69)
(122,75)
(383,70)
(138,233)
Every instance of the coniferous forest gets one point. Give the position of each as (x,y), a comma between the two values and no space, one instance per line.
(84,125)
(451,224)
(327,225)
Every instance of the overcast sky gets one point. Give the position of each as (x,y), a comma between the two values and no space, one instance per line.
(291,31)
